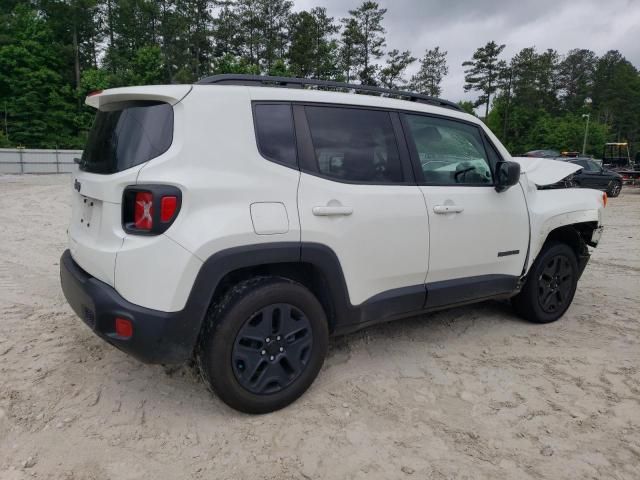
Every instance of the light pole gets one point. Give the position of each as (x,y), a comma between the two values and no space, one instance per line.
(586,133)
(587,103)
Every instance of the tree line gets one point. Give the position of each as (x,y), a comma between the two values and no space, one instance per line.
(54,52)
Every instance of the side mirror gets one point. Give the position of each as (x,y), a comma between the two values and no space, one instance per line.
(507,175)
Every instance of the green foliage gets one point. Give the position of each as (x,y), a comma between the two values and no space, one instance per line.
(483,73)
(543,99)
(54,52)
(433,68)
(4,142)
(145,68)
(392,74)
(546,131)
(364,41)
(467,106)
(40,104)
(230,64)
(312,51)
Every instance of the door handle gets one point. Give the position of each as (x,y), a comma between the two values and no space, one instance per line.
(447,209)
(328,211)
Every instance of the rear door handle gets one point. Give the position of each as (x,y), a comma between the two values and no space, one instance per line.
(447,209)
(331,211)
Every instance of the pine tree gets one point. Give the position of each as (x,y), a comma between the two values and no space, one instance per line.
(40,103)
(275,16)
(433,68)
(366,40)
(313,51)
(575,78)
(483,73)
(392,74)
(616,96)
(350,39)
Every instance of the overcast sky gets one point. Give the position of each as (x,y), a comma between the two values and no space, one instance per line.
(461,26)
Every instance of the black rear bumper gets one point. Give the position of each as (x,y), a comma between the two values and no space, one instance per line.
(158,337)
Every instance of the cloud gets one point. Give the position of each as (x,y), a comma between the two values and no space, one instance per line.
(460,27)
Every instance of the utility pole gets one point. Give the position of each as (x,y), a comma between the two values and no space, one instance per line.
(587,104)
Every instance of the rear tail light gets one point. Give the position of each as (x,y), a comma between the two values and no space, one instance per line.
(604,199)
(150,209)
(143,211)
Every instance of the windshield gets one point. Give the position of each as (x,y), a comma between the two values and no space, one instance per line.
(126,134)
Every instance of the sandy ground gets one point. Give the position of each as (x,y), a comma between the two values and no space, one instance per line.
(467,393)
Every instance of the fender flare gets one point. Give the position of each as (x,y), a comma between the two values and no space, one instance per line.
(222,263)
(343,316)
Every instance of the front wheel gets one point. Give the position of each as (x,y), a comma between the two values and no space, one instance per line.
(266,342)
(550,285)
(614,189)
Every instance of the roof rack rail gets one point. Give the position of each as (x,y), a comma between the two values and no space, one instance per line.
(290,82)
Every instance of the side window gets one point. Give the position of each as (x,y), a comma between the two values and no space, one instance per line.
(584,164)
(593,166)
(275,133)
(450,152)
(355,145)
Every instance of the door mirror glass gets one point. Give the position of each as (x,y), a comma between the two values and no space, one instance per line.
(507,175)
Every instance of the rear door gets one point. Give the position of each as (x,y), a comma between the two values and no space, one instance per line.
(125,134)
(478,237)
(357,195)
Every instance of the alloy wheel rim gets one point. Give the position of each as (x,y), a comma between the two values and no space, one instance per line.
(555,284)
(616,188)
(272,349)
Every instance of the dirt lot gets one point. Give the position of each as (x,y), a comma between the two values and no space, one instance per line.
(467,393)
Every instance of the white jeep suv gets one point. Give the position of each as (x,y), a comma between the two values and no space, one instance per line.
(242,221)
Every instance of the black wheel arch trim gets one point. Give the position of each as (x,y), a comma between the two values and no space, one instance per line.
(342,314)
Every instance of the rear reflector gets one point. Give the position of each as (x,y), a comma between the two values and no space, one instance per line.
(168,206)
(124,328)
(143,213)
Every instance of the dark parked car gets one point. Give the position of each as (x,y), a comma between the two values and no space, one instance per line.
(593,175)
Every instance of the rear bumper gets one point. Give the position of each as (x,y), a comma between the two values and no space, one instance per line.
(158,337)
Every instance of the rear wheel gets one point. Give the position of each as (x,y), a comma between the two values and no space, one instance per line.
(614,189)
(265,345)
(550,285)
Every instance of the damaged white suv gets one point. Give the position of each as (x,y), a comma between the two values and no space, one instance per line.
(242,221)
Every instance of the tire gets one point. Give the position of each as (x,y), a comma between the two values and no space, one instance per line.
(614,189)
(264,345)
(550,285)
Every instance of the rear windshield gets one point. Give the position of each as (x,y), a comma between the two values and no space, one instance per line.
(127,134)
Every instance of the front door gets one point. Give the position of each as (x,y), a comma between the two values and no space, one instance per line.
(478,237)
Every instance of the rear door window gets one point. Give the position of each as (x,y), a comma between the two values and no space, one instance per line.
(127,134)
(354,145)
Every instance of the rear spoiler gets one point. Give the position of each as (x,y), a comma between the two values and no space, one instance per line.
(171,94)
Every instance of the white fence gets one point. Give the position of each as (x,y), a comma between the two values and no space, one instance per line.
(27,160)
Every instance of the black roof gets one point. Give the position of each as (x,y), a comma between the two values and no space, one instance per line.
(290,82)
